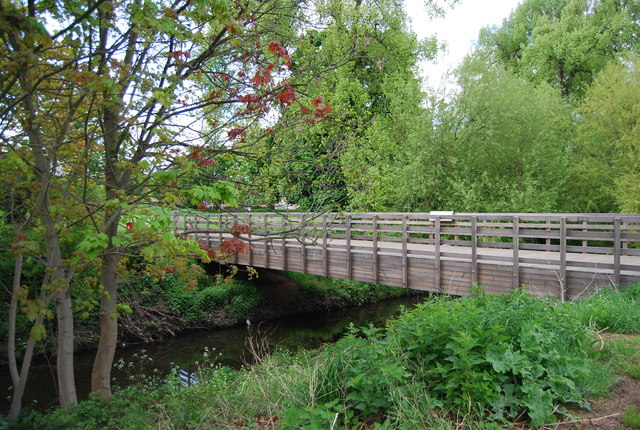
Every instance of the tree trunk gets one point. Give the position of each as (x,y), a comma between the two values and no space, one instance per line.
(101,374)
(43,171)
(64,312)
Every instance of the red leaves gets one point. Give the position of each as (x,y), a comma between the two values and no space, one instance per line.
(179,55)
(206,162)
(201,160)
(130,225)
(234,246)
(262,77)
(322,112)
(322,109)
(170,270)
(253,102)
(287,96)
(237,245)
(317,101)
(279,50)
(248,98)
(201,207)
(235,132)
(210,251)
(238,229)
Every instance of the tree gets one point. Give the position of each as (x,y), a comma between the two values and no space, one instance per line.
(375,98)
(606,148)
(564,42)
(111,106)
(500,145)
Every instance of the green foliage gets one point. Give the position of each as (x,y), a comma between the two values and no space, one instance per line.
(126,410)
(499,146)
(498,357)
(481,361)
(375,97)
(606,144)
(194,306)
(622,355)
(356,293)
(564,43)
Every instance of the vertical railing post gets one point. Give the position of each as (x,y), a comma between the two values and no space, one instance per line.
(563,259)
(304,249)
(405,259)
(585,242)
(325,250)
(208,230)
(516,252)
(348,237)
(175,223)
(284,243)
(437,254)
(236,257)
(375,249)
(265,233)
(250,247)
(474,250)
(616,251)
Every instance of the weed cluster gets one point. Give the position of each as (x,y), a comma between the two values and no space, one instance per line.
(502,358)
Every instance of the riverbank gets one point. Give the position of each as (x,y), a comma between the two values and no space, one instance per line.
(162,309)
(165,309)
(483,362)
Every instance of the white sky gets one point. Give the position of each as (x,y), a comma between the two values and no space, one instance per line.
(458,29)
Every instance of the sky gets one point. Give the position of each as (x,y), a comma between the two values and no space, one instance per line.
(458,29)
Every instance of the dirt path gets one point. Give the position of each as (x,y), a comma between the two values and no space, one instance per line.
(606,413)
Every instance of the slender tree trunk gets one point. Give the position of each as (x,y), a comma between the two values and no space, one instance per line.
(64,312)
(64,308)
(18,387)
(101,374)
(18,382)
(43,171)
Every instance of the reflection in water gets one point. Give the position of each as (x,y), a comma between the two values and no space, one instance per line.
(228,346)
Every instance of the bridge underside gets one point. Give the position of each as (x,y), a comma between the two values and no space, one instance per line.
(450,269)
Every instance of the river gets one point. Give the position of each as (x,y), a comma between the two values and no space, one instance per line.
(228,346)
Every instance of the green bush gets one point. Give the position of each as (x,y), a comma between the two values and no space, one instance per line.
(239,298)
(498,357)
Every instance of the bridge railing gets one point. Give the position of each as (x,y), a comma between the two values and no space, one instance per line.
(566,239)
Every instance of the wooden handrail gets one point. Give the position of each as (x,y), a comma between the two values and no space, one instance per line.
(402,248)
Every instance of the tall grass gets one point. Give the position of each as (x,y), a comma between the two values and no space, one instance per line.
(616,310)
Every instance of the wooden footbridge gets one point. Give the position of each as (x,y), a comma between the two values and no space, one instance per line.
(561,255)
